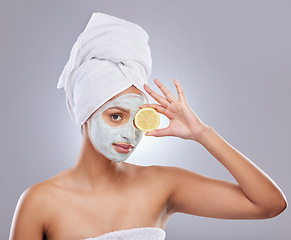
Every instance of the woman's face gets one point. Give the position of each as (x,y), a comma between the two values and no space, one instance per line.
(111,127)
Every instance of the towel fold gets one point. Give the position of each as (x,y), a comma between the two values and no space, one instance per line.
(109,56)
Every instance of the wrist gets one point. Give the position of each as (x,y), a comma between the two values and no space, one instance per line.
(204,134)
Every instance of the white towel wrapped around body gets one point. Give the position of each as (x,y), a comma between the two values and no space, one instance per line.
(109,56)
(143,233)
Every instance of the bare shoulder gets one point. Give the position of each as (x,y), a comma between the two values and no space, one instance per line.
(160,173)
(165,181)
(153,178)
(43,191)
(35,197)
(38,192)
(166,172)
(166,178)
(31,213)
(32,194)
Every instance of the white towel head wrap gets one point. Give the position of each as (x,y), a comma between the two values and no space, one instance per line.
(109,56)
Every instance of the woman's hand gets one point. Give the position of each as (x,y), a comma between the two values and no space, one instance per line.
(184,123)
(255,196)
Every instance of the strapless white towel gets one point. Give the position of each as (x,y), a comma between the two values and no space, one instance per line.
(144,233)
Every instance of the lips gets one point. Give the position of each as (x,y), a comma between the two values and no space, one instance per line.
(123,147)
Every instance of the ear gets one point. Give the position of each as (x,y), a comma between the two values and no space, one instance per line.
(84,128)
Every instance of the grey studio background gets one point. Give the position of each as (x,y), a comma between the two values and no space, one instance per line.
(232,58)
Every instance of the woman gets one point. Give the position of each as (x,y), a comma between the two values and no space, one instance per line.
(102,196)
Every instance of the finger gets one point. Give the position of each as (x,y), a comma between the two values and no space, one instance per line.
(169,96)
(160,132)
(161,100)
(179,90)
(159,108)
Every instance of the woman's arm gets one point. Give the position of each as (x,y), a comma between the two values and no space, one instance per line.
(28,219)
(255,196)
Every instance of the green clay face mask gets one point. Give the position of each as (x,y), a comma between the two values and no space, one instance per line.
(112,129)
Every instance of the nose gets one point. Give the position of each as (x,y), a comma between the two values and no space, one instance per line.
(129,132)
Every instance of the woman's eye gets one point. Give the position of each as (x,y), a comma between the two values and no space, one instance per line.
(116,117)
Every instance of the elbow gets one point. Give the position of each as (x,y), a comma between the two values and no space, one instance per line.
(276,209)
(281,207)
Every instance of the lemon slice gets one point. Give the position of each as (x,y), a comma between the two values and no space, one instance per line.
(147,119)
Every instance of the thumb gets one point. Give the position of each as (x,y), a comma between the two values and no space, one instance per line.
(160,132)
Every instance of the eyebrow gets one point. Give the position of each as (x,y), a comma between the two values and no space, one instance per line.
(119,108)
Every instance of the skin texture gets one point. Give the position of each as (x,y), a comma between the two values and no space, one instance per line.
(98,195)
